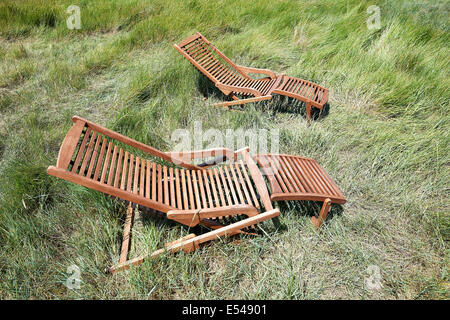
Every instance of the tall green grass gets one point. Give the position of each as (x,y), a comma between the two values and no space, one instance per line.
(385,142)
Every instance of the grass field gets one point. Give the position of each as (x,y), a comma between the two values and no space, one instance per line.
(385,142)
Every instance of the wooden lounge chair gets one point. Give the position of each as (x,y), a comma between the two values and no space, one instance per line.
(234,80)
(106,161)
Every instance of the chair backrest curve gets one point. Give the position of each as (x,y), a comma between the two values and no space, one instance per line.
(81,126)
(208,59)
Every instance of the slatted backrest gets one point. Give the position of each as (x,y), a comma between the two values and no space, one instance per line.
(93,155)
(93,158)
(210,61)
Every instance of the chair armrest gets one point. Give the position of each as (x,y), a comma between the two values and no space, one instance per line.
(186,156)
(133,143)
(238,89)
(270,73)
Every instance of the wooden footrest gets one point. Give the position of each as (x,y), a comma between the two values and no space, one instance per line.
(303,90)
(298,178)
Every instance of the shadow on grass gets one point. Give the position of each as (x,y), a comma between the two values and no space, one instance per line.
(278,103)
(159,220)
(309,208)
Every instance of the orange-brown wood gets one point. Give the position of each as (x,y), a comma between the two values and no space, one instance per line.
(234,79)
(100,159)
(126,235)
(119,168)
(81,150)
(172,188)
(106,163)
(194,243)
(317,222)
(88,153)
(193,217)
(147,180)
(305,178)
(112,167)
(69,144)
(190,196)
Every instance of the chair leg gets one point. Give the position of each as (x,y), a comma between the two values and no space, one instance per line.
(191,243)
(317,222)
(126,234)
(308,112)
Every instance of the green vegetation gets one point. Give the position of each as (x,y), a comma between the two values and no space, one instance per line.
(385,142)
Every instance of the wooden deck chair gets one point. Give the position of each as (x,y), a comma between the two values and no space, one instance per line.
(106,161)
(234,80)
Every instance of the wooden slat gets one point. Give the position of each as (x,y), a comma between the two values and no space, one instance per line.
(214,189)
(142,179)
(124,171)
(269,173)
(312,178)
(219,187)
(87,156)
(81,150)
(293,174)
(100,159)
(210,203)
(225,187)
(126,235)
(154,179)
(258,179)
(178,189)
(196,193)
(300,175)
(159,179)
(291,84)
(298,85)
(106,163)
(112,166)
(316,95)
(94,156)
(172,188)
(191,194)
(242,183)
(276,171)
(319,178)
(130,173)
(330,181)
(249,184)
(166,186)
(315,178)
(184,189)
(119,168)
(237,184)
(303,90)
(147,179)
(307,175)
(102,187)
(230,184)
(133,143)
(202,189)
(287,173)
